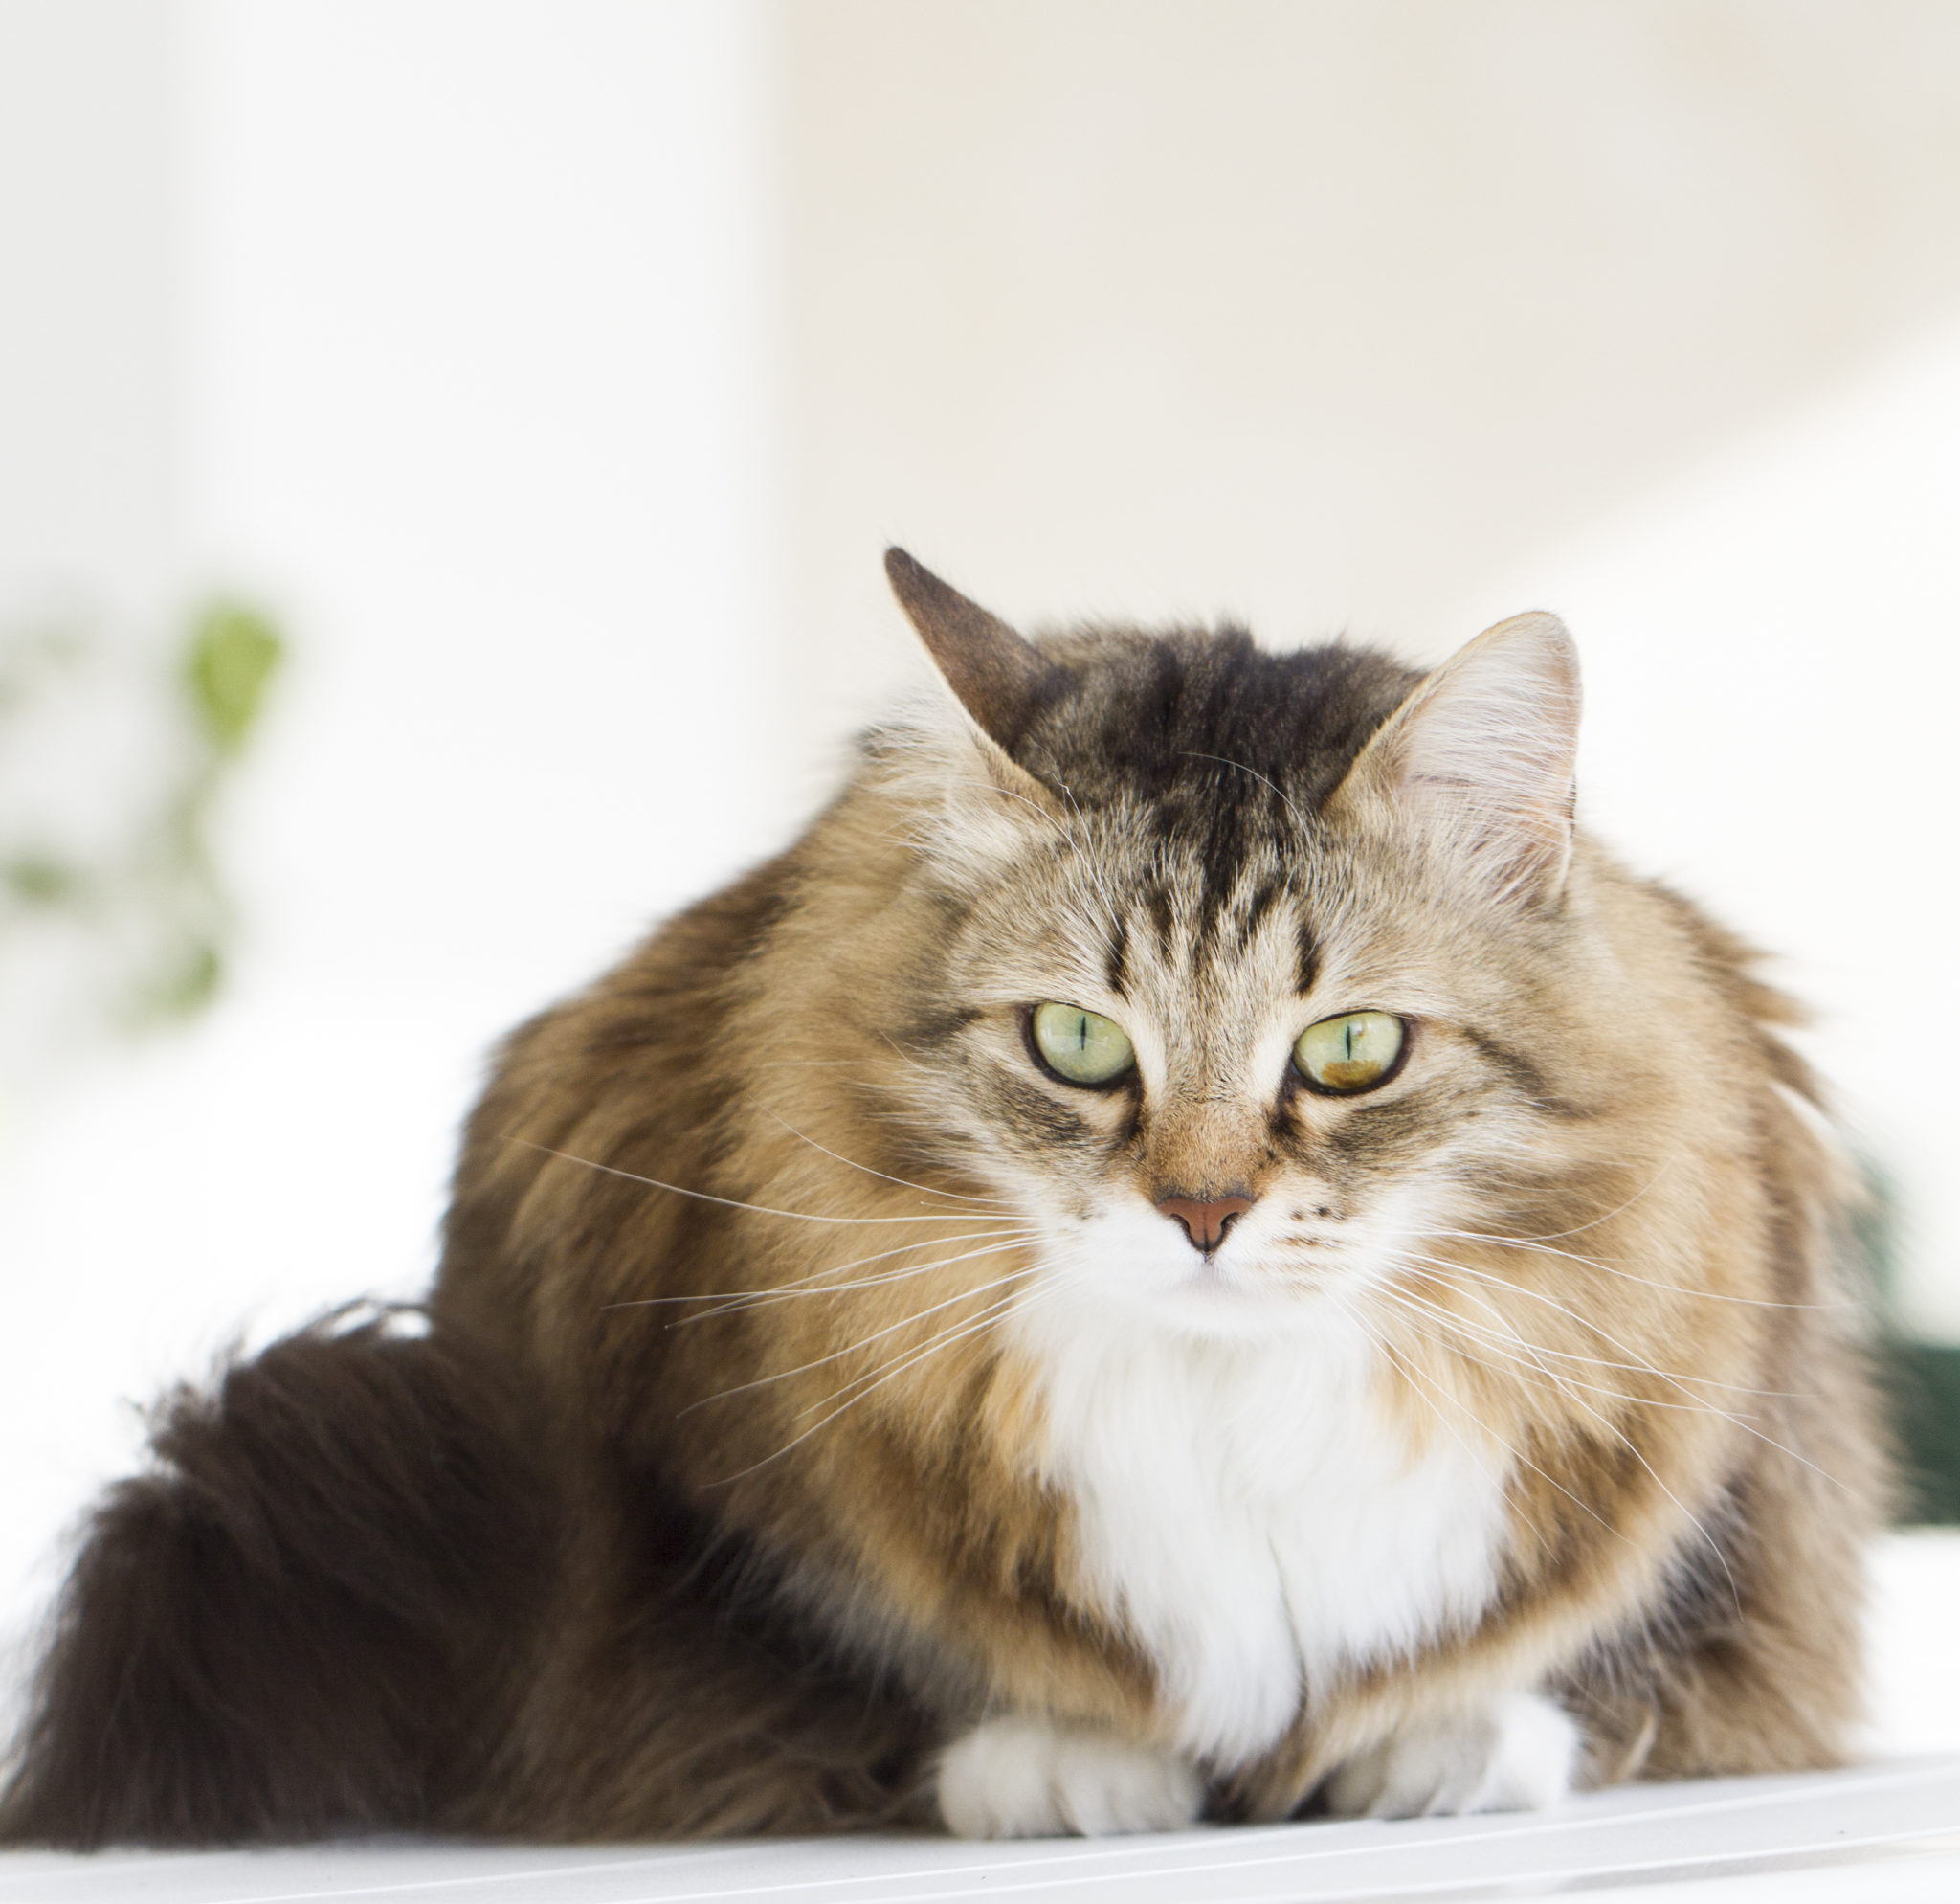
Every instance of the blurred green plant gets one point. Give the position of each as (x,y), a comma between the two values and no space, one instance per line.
(136,901)
(232,654)
(1924,1383)
(229,661)
(1920,1381)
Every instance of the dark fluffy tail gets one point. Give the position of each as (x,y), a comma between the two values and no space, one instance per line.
(300,1621)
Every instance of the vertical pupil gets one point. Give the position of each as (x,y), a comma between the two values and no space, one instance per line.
(1347,1038)
(1082,1033)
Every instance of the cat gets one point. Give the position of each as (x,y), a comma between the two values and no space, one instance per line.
(1193,1249)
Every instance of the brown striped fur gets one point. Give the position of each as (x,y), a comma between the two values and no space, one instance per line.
(740,1231)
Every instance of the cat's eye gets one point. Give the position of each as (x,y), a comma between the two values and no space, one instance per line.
(1080,1047)
(1354,1052)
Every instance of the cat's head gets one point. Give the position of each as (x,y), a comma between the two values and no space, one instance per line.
(1258,974)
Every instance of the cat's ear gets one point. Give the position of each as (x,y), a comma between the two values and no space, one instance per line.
(1479,760)
(998,677)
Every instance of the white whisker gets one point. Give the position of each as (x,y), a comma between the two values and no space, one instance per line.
(1587,1323)
(1409,1372)
(1428,1268)
(903,1182)
(727,1202)
(944,1340)
(735,1301)
(1539,1246)
(853,1348)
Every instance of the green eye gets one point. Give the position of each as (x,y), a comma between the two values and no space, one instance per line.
(1354,1052)
(1080,1047)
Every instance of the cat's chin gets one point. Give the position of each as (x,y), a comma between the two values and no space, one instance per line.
(1273,1279)
(1217,1308)
(1120,1266)
(1209,1304)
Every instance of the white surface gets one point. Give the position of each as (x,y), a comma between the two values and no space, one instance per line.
(446,328)
(1886,1830)
(1888,1833)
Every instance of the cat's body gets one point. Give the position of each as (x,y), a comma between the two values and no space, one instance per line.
(885,1421)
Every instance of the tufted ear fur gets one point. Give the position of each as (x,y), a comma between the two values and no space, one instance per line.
(1479,760)
(1000,679)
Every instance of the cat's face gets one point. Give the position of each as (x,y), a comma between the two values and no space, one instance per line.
(1246,1028)
(1230,1104)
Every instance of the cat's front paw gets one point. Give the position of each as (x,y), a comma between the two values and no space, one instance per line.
(1517,1755)
(1025,1778)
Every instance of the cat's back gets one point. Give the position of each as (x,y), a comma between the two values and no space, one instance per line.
(635,1076)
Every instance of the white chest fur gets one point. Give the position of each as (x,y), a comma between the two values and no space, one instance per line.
(1252,1515)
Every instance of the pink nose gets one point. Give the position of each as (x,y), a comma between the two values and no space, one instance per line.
(1205,1223)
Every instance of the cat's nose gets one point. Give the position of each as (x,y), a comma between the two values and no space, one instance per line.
(1205,1222)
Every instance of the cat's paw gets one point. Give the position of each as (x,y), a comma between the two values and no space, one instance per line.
(1024,1778)
(1517,1754)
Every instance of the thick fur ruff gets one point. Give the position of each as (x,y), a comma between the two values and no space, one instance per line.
(828,1418)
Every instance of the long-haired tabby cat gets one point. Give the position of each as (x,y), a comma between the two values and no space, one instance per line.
(1191,1248)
